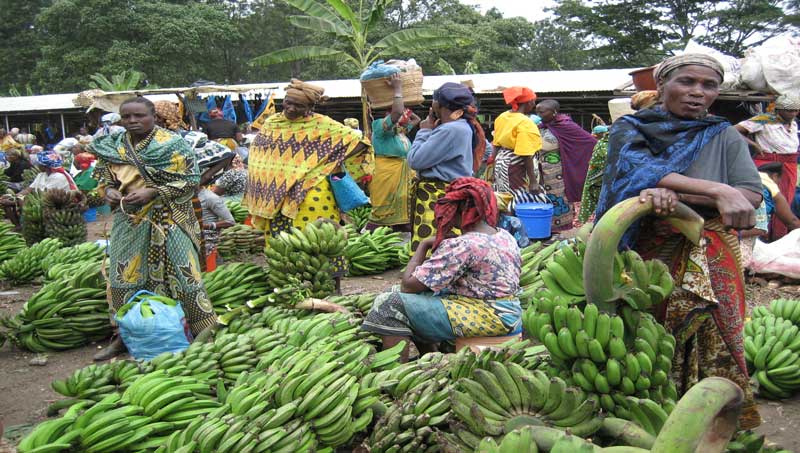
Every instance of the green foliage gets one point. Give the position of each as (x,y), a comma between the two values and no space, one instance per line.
(351,29)
(124,81)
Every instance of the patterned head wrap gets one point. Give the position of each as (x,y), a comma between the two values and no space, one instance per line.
(170,114)
(644,99)
(351,123)
(111,118)
(473,198)
(688,59)
(50,160)
(311,94)
(787,102)
(515,96)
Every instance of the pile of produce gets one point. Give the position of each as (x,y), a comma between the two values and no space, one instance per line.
(11,242)
(772,348)
(304,256)
(240,240)
(81,253)
(373,252)
(26,265)
(359,217)
(231,285)
(277,378)
(64,314)
(238,211)
(33,218)
(62,216)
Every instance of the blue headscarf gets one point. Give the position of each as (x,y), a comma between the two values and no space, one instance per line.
(50,160)
(644,148)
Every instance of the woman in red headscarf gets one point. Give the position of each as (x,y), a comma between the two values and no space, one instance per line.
(517,140)
(469,285)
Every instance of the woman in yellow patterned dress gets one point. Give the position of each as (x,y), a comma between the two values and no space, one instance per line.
(290,161)
(149,175)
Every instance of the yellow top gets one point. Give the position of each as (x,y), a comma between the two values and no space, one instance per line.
(514,130)
(767,182)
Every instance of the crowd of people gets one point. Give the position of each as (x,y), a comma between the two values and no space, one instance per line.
(450,189)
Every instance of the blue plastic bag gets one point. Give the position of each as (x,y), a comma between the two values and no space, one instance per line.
(378,70)
(346,192)
(165,331)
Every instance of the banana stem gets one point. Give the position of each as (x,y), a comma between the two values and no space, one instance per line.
(628,432)
(320,305)
(598,263)
(703,420)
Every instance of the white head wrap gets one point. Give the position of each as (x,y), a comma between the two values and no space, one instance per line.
(787,102)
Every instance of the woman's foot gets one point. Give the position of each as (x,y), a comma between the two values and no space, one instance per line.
(117,347)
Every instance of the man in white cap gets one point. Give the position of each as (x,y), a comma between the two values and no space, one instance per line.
(774,138)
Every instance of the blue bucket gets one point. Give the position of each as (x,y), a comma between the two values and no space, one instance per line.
(536,217)
(90,215)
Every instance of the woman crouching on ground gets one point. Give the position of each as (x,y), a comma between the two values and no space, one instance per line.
(469,285)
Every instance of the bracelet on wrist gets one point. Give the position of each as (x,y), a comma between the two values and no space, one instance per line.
(398,96)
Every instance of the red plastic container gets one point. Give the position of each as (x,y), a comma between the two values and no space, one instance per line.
(643,79)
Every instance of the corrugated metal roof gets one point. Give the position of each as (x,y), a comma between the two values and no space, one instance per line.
(542,82)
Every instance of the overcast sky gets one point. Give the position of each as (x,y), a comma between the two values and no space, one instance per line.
(530,9)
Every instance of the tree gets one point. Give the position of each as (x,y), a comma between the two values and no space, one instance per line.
(173,43)
(350,30)
(21,41)
(641,32)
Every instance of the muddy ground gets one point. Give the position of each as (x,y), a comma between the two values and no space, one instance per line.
(25,388)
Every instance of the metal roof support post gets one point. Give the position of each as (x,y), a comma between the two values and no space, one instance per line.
(63,128)
(6,122)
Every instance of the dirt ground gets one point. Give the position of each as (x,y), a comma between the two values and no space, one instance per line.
(25,389)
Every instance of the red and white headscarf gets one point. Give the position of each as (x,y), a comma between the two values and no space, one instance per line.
(473,198)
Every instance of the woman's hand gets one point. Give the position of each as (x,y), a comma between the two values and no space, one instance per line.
(429,122)
(140,196)
(396,84)
(113,196)
(664,200)
(736,211)
(426,244)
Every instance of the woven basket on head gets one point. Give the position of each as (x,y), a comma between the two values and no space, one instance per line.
(381,93)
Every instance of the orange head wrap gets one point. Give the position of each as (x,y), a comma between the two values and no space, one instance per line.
(515,96)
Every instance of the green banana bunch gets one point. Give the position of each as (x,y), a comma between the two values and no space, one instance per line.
(772,350)
(28,175)
(354,302)
(64,314)
(33,218)
(240,240)
(11,242)
(26,265)
(87,251)
(781,308)
(614,357)
(231,285)
(54,435)
(563,272)
(305,256)
(373,252)
(94,200)
(650,282)
(492,402)
(62,217)
(359,217)
(238,211)
(411,422)
(520,440)
(523,353)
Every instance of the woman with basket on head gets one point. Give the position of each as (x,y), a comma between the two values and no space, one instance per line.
(392,181)
(449,145)
(149,175)
(291,160)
